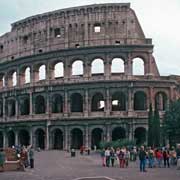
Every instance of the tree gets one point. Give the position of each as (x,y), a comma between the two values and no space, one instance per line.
(150,126)
(156,128)
(171,123)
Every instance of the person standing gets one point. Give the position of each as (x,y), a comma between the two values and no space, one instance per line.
(103,157)
(112,156)
(142,158)
(127,157)
(107,155)
(31,157)
(2,160)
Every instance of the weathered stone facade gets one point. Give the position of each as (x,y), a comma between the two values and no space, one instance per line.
(40,106)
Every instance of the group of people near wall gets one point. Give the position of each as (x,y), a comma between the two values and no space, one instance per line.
(148,157)
(24,154)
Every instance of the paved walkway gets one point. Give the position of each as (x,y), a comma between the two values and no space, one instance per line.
(58,165)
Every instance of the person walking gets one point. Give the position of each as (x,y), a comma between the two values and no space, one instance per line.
(103,157)
(166,157)
(127,157)
(31,157)
(121,158)
(112,156)
(142,159)
(107,156)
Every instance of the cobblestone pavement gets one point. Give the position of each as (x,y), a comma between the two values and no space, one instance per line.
(58,165)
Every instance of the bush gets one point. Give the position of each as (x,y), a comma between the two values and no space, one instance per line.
(118,143)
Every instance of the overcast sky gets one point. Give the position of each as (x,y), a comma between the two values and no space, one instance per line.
(160,20)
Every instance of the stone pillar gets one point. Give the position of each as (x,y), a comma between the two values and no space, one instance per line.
(47,135)
(67,70)
(86,136)
(65,103)
(16,138)
(47,103)
(87,69)
(86,104)
(4,140)
(86,30)
(107,103)
(32,76)
(30,103)
(4,109)
(107,67)
(108,133)
(31,137)
(129,65)
(18,76)
(130,99)
(17,108)
(66,146)
(151,97)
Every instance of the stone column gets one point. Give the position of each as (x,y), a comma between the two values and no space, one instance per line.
(86,136)
(108,136)
(107,66)
(65,103)
(129,67)
(47,103)
(151,97)
(107,103)
(18,77)
(32,76)
(4,140)
(30,103)
(17,108)
(130,100)
(47,135)
(4,109)
(67,70)
(31,137)
(87,68)
(86,104)
(16,138)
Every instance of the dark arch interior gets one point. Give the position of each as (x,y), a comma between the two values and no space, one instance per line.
(76,138)
(140,135)
(1,140)
(24,138)
(118,133)
(1,109)
(40,139)
(24,106)
(57,104)
(76,103)
(11,139)
(97,137)
(139,101)
(11,108)
(40,106)
(57,139)
(96,102)
(118,101)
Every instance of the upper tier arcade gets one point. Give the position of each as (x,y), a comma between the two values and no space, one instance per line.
(84,26)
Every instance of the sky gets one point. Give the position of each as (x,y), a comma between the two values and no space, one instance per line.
(159,19)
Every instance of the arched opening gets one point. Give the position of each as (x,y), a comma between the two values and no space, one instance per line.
(96,137)
(118,101)
(161,101)
(76,138)
(57,103)
(24,106)
(11,138)
(57,135)
(140,101)
(118,133)
(138,66)
(24,138)
(1,140)
(11,107)
(97,66)
(117,65)
(40,138)
(76,102)
(27,77)
(42,72)
(14,79)
(40,105)
(2,80)
(59,70)
(1,108)
(77,68)
(140,135)
(97,103)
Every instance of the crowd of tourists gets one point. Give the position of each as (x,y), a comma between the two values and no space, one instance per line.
(22,153)
(148,157)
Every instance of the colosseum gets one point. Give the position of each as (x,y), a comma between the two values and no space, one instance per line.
(78,76)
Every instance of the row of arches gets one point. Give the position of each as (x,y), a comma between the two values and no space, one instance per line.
(57,70)
(76,137)
(119,102)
